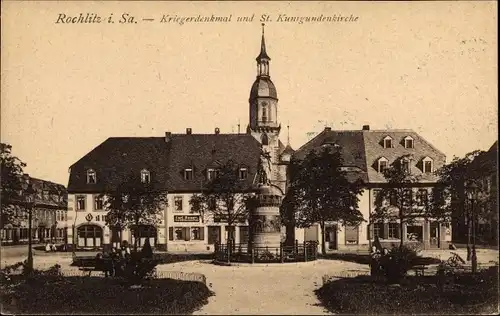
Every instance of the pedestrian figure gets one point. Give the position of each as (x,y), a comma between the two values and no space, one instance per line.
(375,261)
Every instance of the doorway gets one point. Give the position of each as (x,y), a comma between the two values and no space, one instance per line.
(331,236)
(434,235)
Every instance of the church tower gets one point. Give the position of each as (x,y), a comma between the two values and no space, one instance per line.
(263,104)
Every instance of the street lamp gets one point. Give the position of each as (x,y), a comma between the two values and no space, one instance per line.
(472,194)
(28,194)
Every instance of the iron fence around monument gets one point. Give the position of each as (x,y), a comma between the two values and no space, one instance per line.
(299,252)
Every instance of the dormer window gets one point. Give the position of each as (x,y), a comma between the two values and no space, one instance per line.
(382,164)
(408,142)
(212,174)
(188,174)
(145,176)
(388,142)
(91,176)
(405,165)
(428,165)
(243,174)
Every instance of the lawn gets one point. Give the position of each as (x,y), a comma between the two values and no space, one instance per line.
(97,295)
(463,294)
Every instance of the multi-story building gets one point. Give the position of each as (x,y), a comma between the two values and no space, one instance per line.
(48,219)
(366,153)
(179,164)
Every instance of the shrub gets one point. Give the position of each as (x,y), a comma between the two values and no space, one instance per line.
(137,268)
(397,262)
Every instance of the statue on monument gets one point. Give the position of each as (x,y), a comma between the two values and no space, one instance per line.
(264,170)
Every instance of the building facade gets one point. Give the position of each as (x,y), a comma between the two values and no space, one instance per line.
(48,219)
(180,164)
(365,154)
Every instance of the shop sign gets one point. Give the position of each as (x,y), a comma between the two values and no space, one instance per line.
(187,218)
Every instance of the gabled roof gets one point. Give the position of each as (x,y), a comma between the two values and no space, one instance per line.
(353,152)
(116,159)
(374,149)
(363,149)
(119,157)
(202,151)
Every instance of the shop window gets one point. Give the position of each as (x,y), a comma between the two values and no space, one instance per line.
(197,233)
(414,233)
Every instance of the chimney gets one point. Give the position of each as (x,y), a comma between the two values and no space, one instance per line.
(366,127)
(217,131)
(328,129)
(168,136)
(189,130)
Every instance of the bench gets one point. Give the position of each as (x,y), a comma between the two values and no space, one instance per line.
(91,264)
(419,270)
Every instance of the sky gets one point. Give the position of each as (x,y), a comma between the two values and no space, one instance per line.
(65,88)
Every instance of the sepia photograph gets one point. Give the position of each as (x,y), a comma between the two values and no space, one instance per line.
(249,158)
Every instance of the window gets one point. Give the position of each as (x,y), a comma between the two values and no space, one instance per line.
(80,202)
(197,233)
(243,173)
(178,204)
(408,197)
(188,174)
(212,174)
(393,232)
(378,230)
(98,202)
(408,142)
(388,142)
(179,233)
(351,235)
(422,197)
(382,164)
(145,176)
(427,165)
(97,218)
(91,176)
(89,236)
(264,112)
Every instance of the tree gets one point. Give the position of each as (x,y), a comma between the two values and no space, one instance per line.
(454,177)
(319,192)
(10,180)
(133,204)
(225,197)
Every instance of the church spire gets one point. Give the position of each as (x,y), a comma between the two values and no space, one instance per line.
(263,59)
(288,134)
